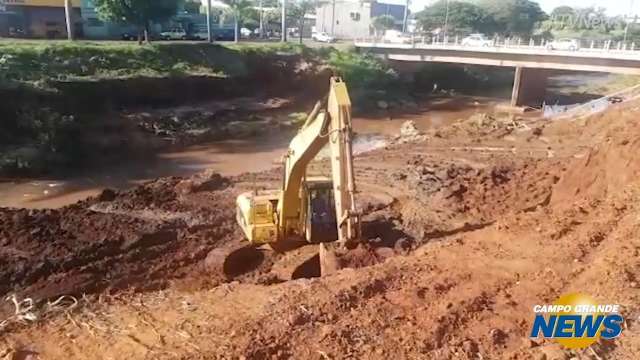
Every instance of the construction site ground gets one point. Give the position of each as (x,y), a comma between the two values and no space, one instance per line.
(465,228)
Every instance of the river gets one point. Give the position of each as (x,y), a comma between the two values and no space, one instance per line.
(228,157)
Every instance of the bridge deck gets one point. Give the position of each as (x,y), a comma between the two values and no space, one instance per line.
(614,61)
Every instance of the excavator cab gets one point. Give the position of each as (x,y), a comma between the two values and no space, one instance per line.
(320,222)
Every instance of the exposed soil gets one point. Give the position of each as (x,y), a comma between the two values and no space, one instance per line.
(464,231)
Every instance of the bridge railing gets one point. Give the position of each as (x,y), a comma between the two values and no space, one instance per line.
(422,41)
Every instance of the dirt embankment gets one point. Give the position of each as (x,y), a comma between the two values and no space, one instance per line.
(464,234)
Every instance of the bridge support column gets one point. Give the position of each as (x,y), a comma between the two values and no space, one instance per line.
(529,86)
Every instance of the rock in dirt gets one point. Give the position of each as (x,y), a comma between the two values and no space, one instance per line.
(214,262)
(207,181)
(409,133)
(107,195)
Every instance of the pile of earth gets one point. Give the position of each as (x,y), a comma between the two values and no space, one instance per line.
(141,237)
(483,125)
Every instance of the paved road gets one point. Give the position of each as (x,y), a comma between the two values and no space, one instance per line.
(307,42)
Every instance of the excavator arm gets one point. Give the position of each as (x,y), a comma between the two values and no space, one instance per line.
(333,127)
(298,207)
(340,142)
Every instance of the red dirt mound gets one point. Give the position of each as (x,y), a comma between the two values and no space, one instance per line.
(142,238)
(607,168)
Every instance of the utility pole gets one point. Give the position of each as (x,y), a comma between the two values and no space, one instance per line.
(209,29)
(284,20)
(446,22)
(333,18)
(68,18)
(626,28)
(261,20)
(406,15)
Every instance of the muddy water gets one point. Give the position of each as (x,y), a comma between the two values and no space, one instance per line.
(229,157)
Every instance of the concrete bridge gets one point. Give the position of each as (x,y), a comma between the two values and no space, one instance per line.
(531,62)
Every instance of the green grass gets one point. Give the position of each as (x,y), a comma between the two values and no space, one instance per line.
(41,61)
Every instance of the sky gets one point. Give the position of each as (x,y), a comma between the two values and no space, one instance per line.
(614,7)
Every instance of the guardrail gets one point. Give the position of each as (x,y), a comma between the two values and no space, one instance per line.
(608,46)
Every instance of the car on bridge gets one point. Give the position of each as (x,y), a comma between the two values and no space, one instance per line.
(564,44)
(477,40)
(396,37)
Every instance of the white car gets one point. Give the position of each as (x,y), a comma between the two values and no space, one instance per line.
(323,37)
(245,33)
(564,44)
(396,37)
(477,40)
(173,34)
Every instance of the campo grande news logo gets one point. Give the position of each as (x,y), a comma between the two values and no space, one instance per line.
(576,321)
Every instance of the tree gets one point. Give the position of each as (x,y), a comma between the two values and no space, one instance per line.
(140,13)
(192,7)
(68,15)
(241,10)
(462,17)
(383,22)
(562,11)
(298,10)
(514,17)
(561,17)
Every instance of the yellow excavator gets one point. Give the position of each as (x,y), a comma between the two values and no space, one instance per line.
(317,209)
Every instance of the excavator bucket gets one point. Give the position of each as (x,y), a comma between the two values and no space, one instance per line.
(329,261)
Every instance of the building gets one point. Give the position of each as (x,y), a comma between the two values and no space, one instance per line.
(46,19)
(348,19)
(38,18)
(95,28)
